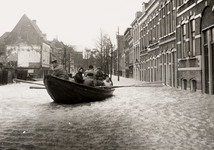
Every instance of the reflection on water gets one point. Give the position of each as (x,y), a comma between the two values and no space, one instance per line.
(134,118)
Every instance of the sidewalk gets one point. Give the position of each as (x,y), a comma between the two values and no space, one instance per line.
(125,81)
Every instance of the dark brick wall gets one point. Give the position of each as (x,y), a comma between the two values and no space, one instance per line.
(188,75)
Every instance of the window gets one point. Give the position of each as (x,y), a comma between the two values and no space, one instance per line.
(173,4)
(206,37)
(157,32)
(212,38)
(181,2)
(167,8)
(169,23)
(183,40)
(192,38)
(173,20)
(164,26)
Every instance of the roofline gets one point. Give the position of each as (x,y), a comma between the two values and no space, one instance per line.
(127,29)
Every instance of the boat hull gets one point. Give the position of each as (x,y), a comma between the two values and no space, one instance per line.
(63,91)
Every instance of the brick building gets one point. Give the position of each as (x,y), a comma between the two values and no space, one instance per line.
(158,42)
(173,42)
(121,55)
(128,37)
(136,45)
(195,34)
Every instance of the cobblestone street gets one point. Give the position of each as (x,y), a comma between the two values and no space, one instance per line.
(144,118)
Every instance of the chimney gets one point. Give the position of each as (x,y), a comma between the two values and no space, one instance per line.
(44,36)
(34,21)
(138,14)
(144,5)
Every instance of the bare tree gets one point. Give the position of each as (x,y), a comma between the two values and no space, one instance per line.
(103,46)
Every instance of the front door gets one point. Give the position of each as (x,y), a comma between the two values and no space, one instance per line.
(206,61)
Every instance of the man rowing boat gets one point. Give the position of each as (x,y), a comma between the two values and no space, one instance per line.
(59,71)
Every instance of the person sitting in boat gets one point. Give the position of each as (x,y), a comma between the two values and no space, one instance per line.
(90,71)
(99,77)
(108,81)
(59,71)
(89,80)
(1,67)
(99,74)
(79,76)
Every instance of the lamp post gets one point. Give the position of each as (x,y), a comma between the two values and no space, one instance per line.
(137,67)
(111,59)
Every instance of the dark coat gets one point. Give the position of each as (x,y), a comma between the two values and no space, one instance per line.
(60,72)
(78,77)
(99,75)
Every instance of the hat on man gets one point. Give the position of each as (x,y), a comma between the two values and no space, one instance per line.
(91,67)
(54,61)
(80,68)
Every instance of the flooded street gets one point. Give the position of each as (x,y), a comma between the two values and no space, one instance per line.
(144,118)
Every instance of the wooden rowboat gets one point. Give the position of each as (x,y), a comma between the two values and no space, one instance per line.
(64,91)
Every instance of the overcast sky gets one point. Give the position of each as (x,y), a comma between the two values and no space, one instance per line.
(74,22)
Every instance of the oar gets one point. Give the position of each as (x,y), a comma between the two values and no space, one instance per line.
(146,84)
(122,86)
(19,80)
(36,87)
(136,86)
(157,82)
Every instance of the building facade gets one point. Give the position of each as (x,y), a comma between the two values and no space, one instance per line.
(195,34)
(173,42)
(128,53)
(120,55)
(158,42)
(26,47)
(136,46)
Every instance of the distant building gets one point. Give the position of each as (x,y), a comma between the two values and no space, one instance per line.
(57,51)
(121,55)
(26,47)
(136,45)
(128,37)
(3,59)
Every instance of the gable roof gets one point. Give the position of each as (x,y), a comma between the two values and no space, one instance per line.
(3,37)
(25,22)
(57,44)
(2,42)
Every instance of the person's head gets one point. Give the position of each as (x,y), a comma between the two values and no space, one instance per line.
(54,63)
(98,69)
(91,67)
(107,78)
(80,69)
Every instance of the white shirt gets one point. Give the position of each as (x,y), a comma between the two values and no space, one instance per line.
(107,83)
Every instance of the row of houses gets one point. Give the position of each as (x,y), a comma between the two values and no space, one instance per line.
(171,41)
(26,48)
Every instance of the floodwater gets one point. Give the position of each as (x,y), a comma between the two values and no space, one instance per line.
(144,118)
